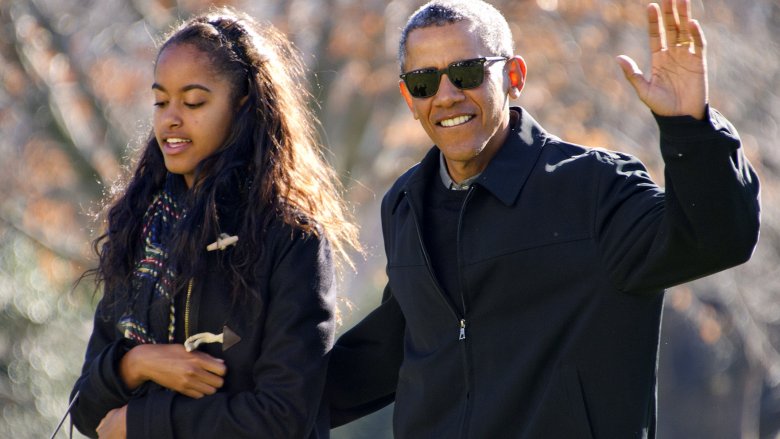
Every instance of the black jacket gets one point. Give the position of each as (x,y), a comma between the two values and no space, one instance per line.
(563,255)
(275,373)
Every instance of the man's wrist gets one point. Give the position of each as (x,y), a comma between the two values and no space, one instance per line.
(684,126)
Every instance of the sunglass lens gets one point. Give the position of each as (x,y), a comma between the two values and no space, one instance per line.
(467,74)
(422,84)
(463,75)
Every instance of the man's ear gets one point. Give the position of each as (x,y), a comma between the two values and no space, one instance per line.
(517,72)
(407,97)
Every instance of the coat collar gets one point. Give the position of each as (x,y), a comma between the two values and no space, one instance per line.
(506,173)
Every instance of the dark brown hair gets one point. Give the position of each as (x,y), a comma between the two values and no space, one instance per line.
(271,158)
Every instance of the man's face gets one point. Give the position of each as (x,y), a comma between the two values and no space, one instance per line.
(470,125)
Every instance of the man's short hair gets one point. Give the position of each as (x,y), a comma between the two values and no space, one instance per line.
(487,23)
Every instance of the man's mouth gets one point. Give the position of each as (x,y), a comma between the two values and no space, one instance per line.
(455,121)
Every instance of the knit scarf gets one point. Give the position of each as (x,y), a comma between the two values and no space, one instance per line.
(150,317)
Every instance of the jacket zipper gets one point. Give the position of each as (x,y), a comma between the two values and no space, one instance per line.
(464,346)
(460,319)
(459,260)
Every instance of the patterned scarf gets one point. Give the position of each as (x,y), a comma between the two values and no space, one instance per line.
(150,317)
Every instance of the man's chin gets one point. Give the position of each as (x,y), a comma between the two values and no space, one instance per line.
(461,153)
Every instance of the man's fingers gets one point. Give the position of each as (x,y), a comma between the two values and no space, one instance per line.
(628,65)
(633,74)
(671,22)
(654,28)
(684,13)
(697,35)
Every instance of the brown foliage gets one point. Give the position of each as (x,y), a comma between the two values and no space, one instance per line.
(75,93)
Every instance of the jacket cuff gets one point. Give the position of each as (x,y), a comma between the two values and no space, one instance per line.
(105,372)
(150,416)
(688,126)
(683,135)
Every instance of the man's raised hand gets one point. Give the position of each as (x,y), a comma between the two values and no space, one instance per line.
(678,80)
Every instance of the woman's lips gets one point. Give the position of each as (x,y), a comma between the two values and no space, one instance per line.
(174,145)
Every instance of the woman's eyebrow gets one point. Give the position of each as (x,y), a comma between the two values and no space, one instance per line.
(187,87)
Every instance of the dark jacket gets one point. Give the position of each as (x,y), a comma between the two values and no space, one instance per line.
(563,255)
(275,373)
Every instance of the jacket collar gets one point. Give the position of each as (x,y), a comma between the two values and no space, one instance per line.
(506,173)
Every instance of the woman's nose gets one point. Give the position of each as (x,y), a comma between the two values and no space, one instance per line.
(171,117)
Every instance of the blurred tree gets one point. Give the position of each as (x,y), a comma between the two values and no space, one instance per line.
(75,77)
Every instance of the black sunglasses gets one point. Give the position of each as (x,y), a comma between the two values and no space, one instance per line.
(469,73)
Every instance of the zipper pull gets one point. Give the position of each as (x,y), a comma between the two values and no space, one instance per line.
(462,335)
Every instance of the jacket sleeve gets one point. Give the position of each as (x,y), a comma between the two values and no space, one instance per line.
(100,389)
(364,364)
(289,374)
(705,221)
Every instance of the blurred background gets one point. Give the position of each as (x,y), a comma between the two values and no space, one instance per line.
(75,102)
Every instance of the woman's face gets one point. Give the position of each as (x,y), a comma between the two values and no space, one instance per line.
(194,108)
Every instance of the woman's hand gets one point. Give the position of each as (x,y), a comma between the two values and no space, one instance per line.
(194,374)
(113,425)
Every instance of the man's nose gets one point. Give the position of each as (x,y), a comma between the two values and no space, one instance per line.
(447,94)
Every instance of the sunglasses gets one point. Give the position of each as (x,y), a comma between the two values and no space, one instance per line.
(466,74)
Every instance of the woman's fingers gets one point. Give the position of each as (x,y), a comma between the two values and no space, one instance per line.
(211,364)
(191,373)
(198,389)
(200,375)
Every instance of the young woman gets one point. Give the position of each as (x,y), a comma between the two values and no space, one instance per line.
(223,238)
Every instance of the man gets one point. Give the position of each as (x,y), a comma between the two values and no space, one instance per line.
(526,274)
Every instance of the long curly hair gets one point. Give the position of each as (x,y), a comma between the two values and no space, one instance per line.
(271,158)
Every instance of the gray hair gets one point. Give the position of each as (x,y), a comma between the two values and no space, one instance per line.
(489,24)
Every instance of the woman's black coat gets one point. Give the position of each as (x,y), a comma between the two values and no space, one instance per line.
(275,373)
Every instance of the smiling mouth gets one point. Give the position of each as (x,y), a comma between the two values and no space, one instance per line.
(175,145)
(177,141)
(455,121)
